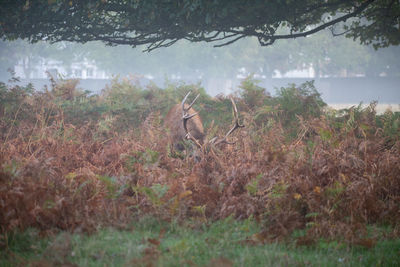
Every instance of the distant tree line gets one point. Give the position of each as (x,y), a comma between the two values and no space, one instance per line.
(330,56)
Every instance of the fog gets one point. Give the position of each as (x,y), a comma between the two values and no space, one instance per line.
(344,71)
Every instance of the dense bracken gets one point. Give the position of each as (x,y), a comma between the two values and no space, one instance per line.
(75,161)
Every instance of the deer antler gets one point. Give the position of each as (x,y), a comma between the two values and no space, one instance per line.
(216,140)
(186,116)
(237,125)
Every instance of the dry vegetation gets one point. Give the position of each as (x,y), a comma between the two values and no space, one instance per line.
(77,162)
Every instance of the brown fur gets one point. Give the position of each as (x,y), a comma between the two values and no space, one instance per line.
(173,122)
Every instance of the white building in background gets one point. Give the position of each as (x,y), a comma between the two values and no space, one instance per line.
(296,73)
(87,70)
(77,70)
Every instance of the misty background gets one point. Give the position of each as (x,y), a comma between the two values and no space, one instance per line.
(344,71)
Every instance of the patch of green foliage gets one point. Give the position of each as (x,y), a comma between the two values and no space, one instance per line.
(11,100)
(253,95)
(389,122)
(287,107)
(294,103)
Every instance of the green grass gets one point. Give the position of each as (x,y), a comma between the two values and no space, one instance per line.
(193,244)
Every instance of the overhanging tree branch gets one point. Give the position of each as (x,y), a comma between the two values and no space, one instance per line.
(162,23)
(272,39)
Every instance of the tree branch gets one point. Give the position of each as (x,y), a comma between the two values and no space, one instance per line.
(272,39)
(231,41)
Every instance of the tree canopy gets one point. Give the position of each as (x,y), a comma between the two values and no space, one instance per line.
(158,23)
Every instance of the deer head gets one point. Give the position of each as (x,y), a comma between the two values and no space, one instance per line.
(185,125)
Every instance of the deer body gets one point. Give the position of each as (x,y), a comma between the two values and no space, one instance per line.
(183,123)
(177,133)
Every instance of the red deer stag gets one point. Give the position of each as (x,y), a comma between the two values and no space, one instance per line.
(183,125)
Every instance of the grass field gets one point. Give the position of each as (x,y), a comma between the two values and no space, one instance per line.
(222,243)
